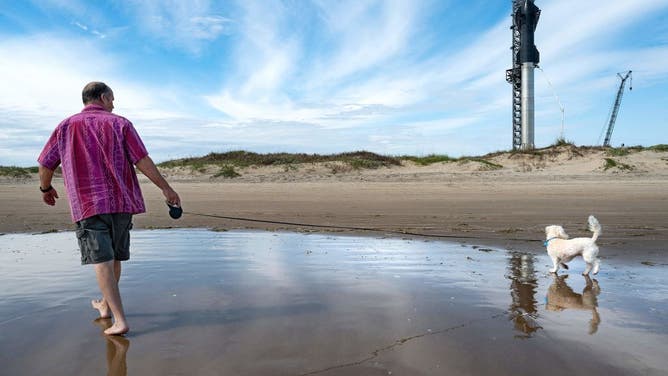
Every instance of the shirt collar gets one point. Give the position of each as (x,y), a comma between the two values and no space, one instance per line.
(93,107)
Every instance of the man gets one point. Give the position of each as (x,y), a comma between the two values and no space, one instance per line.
(97,150)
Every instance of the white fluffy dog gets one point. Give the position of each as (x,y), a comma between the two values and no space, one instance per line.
(562,250)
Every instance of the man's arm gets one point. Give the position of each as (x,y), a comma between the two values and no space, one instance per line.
(45,176)
(148,168)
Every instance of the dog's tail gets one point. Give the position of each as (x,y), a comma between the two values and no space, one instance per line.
(594,227)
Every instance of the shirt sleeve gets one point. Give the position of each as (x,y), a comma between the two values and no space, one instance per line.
(50,156)
(133,144)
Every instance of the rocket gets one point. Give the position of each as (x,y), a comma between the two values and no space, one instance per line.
(527,19)
(525,58)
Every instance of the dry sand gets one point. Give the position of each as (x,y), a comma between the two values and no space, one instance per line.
(498,205)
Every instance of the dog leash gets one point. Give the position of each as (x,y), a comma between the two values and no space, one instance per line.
(352,228)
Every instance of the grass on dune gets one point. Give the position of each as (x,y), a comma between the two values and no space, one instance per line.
(228,161)
(358,159)
(17,172)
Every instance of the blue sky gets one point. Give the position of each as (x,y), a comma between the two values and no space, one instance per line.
(392,77)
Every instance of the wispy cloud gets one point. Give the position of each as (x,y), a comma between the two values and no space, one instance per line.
(322,76)
(42,79)
(364,35)
(186,25)
(276,79)
(85,28)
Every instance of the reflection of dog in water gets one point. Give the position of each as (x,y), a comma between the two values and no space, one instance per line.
(562,250)
(560,297)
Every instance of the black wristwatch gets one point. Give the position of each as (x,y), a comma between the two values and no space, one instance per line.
(47,189)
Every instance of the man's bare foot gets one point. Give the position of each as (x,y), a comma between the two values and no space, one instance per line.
(102,307)
(117,329)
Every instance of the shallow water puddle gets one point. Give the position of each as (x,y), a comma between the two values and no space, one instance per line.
(261,303)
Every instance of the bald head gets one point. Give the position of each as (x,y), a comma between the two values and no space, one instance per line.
(93,91)
(99,93)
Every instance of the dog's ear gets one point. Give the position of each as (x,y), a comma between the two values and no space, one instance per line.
(561,233)
(554,231)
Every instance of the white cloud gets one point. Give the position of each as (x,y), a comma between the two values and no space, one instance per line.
(42,80)
(80,26)
(349,78)
(364,35)
(43,75)
(187,25)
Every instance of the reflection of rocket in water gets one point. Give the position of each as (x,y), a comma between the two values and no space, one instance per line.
(522,309)
(560,296)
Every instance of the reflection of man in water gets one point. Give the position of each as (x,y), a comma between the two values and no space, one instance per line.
(98,150)
(523,287)
(560,296)
(117,349)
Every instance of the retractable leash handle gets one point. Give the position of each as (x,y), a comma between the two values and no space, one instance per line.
(175,211)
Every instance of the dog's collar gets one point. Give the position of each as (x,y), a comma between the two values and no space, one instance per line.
(548,240)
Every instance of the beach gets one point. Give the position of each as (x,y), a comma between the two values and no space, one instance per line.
(506,206)
(408,270)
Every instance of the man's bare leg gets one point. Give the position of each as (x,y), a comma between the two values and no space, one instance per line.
(101,304)
(106,279)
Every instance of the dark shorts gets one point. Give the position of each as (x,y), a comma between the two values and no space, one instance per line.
(104,237)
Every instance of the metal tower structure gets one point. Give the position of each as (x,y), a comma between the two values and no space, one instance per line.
(525,58)
(615,106)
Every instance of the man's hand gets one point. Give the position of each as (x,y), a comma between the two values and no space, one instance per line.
(171,196)
(50,197)
(45,175)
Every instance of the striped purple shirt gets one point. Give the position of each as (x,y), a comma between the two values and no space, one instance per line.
(98,151)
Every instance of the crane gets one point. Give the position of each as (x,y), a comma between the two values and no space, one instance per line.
(615,107)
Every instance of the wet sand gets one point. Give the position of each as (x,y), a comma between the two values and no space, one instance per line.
(280,303)
(257,303)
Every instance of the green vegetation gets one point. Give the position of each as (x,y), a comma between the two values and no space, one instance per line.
(433,158)
(562,142)
(611,163)
(659,147)
(490,165)
(622,151)
(618,152)
(429,159)
(17,172)
(227,171)
(344,162)
(358,159)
